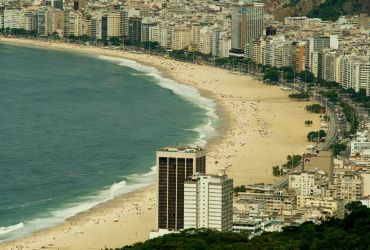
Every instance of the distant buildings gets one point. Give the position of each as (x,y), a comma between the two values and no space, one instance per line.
(332,51)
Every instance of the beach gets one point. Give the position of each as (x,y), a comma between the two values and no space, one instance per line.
(259,126)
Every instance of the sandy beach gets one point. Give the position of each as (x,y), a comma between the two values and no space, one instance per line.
(259,127)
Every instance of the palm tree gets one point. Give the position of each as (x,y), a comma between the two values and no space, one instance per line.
(308,123)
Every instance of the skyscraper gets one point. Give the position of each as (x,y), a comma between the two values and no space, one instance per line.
(208,202)
(246,24)
(175,165)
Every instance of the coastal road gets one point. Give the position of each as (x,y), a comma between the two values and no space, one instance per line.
(333,126)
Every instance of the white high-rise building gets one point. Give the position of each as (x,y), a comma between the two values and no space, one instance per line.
(13,18)
(208,202)
(224,45)
(161,34)
(205,40)
(355,72)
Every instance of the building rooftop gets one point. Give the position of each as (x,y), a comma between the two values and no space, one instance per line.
(182,149)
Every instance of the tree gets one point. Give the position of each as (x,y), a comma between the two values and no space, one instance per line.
(315,108)
(337,148)
(222,61)
(308,123)
(351,116)
(316,136)
(84,38)
(354,206)
(150,45)
(54,35)
(239,189)
(72,37)
(306,76)
(292,161)
(300,96)
(288,74)
(115,41)
(271,75)
(351,232)
(276,171)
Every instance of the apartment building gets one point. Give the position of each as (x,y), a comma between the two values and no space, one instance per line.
(349,185)
(308,183)
(208,202)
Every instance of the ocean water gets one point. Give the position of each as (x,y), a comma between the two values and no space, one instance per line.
(77,130)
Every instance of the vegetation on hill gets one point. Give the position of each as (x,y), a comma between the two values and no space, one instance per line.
(327,10)
(292,3)
(330,10)
(352,232)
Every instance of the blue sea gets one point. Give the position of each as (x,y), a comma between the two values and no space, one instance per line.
(77,130)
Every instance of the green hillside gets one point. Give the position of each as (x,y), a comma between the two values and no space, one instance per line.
(325,9)
(332,9)
(352,232)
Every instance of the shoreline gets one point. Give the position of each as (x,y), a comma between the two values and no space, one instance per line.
(246,121)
